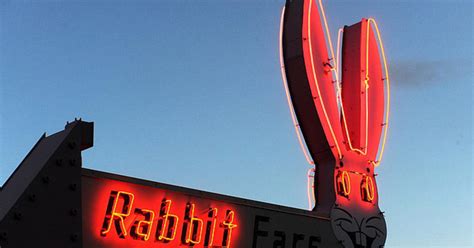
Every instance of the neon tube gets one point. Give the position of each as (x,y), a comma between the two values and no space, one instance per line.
(337,60)
(148,223)
(317,85)
(310,189)
(192,220)
(369,188)
(345,181)
(228,223)
(339,97)
(119,215)
(213,214)
(166,217)
(387,81)
(288,98)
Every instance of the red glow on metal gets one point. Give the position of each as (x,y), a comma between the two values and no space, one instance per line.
(318,69)
(341,100)
(356,122)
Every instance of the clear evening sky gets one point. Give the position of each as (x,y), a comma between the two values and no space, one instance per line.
(189,93)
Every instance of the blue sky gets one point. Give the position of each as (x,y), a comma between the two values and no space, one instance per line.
(190,93)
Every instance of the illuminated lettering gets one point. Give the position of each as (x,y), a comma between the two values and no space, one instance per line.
(192,228)
(168,223)
(210,227)
(141,229)
(199,228)
(228,225)
(116,214)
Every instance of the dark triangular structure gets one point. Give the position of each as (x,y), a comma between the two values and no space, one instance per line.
(41,201)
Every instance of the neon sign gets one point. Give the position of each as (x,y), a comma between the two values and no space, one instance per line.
(119,210)
(339,104)
(116,216)
(141,214)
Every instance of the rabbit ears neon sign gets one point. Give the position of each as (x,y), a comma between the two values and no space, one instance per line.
(341,106)
(339,100)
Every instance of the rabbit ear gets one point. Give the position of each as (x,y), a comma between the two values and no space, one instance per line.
(308,70)
(356,124)
(319,71)
(375,91)
(362,90)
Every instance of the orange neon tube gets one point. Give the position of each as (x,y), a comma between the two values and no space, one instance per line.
(148,223)
(346,183)
(228,222)
(317,85)
(166,217)
(387,79)
(213,213)
(120,216)
(200,223)
(336,73)
(369,188)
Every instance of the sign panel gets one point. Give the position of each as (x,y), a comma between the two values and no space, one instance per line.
(125,212)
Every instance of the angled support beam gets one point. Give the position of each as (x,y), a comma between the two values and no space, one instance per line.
(41,200)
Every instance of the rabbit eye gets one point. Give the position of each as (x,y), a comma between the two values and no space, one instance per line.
(367,189)
(343,183)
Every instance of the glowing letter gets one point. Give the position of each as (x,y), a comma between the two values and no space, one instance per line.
(192,228)
(210,227)
(141,229)
(112,215)
(168,224)
(228,225)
